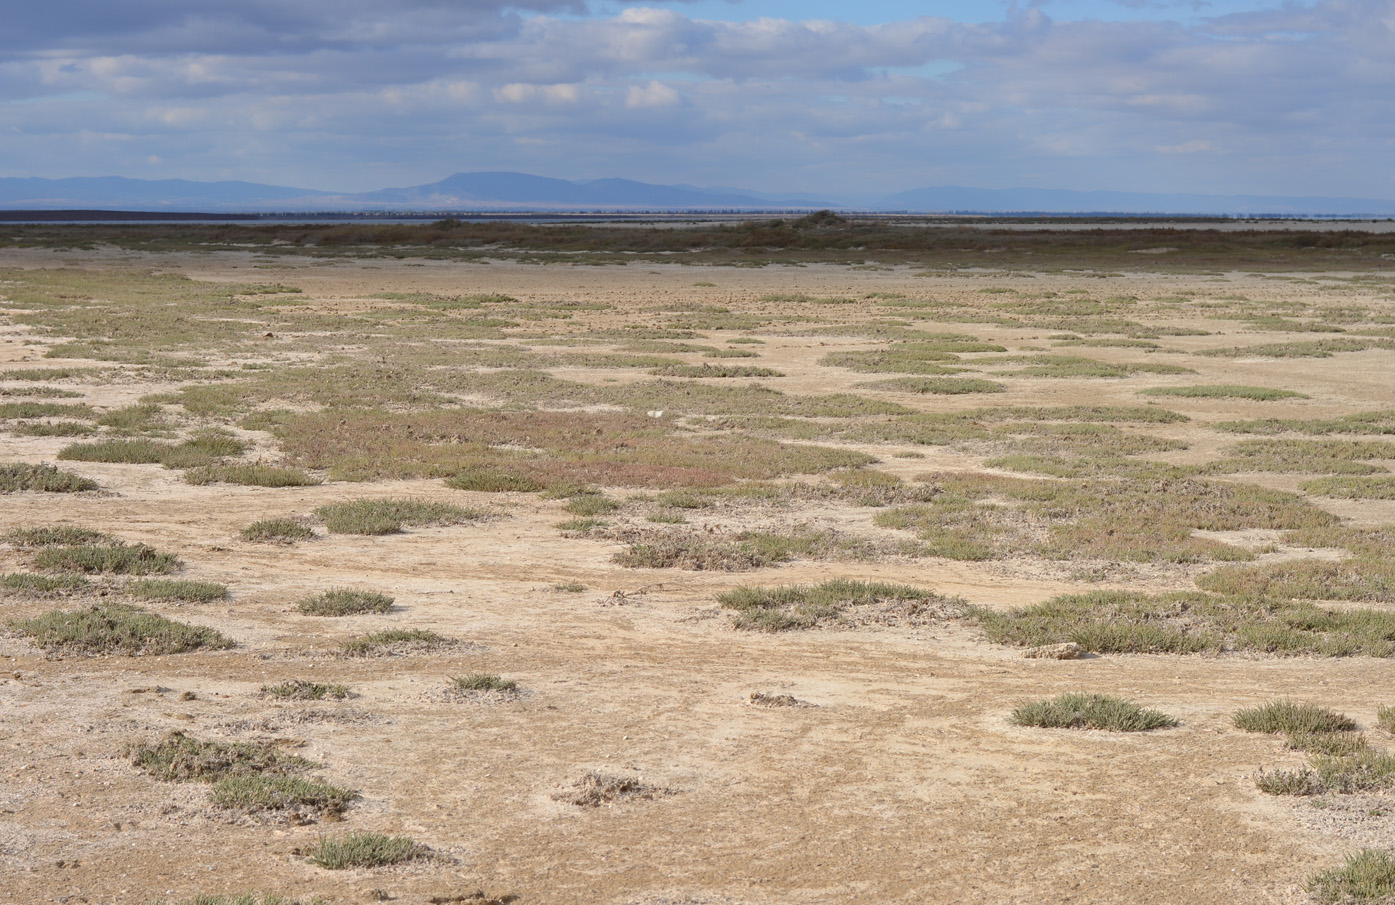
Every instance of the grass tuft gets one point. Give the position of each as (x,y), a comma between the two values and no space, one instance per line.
(56,536)
(390,515)
(21,476)
(250,476)
(1367,877)
(1075,710)
(492,480)
(177,589)
(366,850)
(43,584)
(182,758)
(805,606)
(302,690)
(257,792)
(112,558)
(483,683)
(109,628)
(345,602)
(277,531)
(1290,717)
(394,641)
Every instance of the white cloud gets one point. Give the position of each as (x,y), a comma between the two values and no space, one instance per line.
(655,94)
(339,94)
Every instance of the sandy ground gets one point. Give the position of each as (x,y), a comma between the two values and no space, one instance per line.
(901,782)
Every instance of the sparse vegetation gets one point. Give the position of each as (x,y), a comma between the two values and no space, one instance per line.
(483,685)
(19,477)
(395,641)
(177,589)
(1185,623)
(250,475)
(277,531)
(592,790)
(182,758)
(492,480)
(303,690)
(43,584)
(389,516)
(1367,877)
(109,628)
(56,536)
(1224,391)
(260,792)
(805,606)
(1286,717)
(117,558)
(366,850)
(345,602)
(1075,710)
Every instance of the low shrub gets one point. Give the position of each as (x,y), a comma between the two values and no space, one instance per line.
(389,516)
(177,589)
(256,792)
(20,476)
(182,758)
(277,531)
(250,476)
(1367,877)
(345,602)
(1075,710)
(1292,718)
(395,641)
(366,850)
(109,628)
(112,558)
(302,690)
(43,584)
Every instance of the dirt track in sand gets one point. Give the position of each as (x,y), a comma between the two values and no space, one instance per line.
(904,782)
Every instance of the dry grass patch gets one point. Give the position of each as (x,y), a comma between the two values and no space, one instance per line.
(545,448)
(21,476)
(594,790)
(1346,488)
(1075,710)
(29,583)
(937,386)
(132,451)
(396,642)
(840,601)
(1187,623)
(56,536)
(1324,457)
(182,758)
(115,558)
(492,480)
(177,589)
(744,551)
(1365,578)
(1368,876)
(389,516)
(345,602)
(977,516)
(250,475)
(109,628)
(366,850)
(303,690)
(277,531)
(294,796)
(1224,391)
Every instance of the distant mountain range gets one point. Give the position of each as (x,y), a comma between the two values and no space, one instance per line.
(522,192)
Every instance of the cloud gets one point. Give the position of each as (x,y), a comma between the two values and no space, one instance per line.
(1291,99)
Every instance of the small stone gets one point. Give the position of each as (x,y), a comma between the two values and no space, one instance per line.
(1068,650)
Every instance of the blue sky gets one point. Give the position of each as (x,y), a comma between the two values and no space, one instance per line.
(852,100)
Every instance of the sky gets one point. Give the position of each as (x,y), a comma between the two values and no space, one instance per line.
(846,100)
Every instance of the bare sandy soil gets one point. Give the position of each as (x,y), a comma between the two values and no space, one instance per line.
(901,781)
